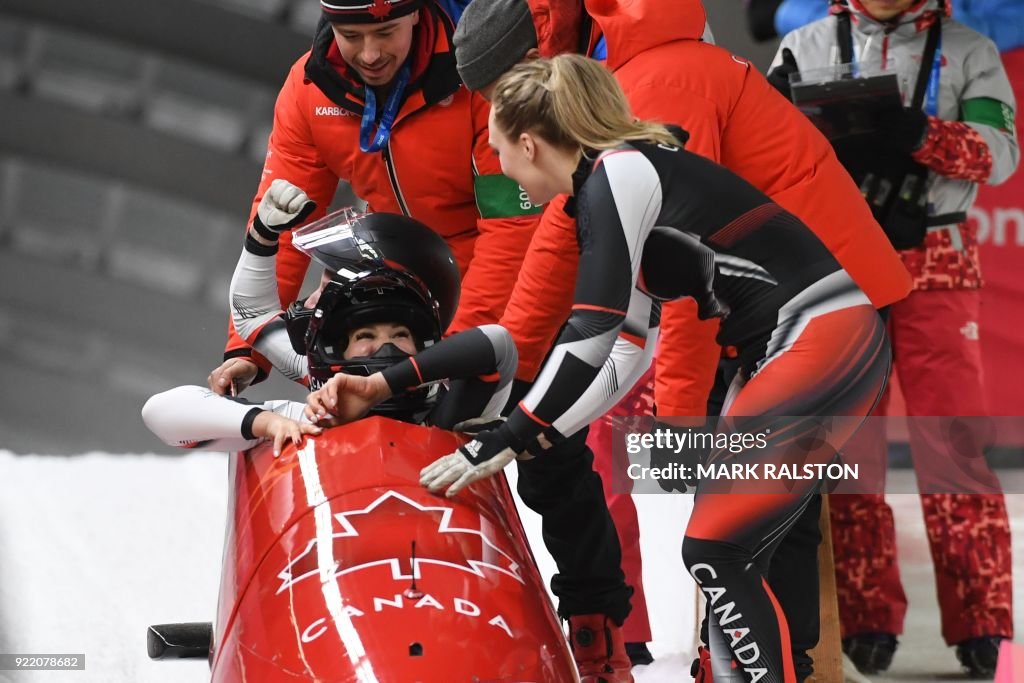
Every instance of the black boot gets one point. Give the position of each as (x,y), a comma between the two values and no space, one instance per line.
(871,653)
(979,656)
(700,668)
(638,653)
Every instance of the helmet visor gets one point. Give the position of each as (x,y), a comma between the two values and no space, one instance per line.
(335,227)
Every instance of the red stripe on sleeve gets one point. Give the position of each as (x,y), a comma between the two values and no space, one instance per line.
(533,417)
(600,309)
(416,367)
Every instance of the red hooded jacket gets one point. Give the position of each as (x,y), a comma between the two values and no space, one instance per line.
(735,118)
(437,166)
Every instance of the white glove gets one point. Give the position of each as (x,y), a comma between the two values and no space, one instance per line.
(483,457)
(283,207)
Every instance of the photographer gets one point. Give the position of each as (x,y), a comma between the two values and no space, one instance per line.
(956,133)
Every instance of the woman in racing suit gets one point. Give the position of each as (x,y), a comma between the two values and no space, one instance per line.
(390,287)
(656,223)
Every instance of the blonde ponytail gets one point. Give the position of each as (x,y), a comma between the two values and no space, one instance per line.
(571,102)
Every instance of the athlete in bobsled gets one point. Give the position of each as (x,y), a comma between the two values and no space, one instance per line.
(390,288)
(337,563)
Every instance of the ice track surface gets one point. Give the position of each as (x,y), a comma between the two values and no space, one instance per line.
(96,547)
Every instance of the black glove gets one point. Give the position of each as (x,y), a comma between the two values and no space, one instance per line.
(550,436)
(683,460)
(903,129)
(779,76)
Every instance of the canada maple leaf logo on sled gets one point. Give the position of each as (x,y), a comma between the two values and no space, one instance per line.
(436,548)
(320,581)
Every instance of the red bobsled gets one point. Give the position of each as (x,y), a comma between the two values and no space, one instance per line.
(339,566)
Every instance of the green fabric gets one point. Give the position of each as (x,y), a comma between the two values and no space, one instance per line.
(498,196)
(989,112)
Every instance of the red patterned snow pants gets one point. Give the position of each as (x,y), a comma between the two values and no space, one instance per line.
(938,361)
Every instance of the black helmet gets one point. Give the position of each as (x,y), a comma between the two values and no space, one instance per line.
(387,268)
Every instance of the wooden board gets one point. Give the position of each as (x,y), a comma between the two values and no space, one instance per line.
(828,655)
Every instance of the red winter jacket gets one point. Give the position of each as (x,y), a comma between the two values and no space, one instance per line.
(735,118)
(437,166)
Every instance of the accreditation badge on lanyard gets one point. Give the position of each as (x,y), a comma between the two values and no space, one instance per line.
(370,141)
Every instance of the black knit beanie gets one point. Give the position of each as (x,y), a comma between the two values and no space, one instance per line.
(366,11)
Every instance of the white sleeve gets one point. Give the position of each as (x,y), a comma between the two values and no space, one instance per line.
(257,315)
(625,366)
(195,417)
(606,344)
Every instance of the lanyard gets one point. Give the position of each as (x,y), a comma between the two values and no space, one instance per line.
(374,142)
(928,96)
(931,104)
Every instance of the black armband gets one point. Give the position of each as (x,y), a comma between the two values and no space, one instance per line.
(247,421)
(257,248)
(263,231)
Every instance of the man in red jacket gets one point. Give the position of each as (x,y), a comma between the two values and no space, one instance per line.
(733,117)
(377,102)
